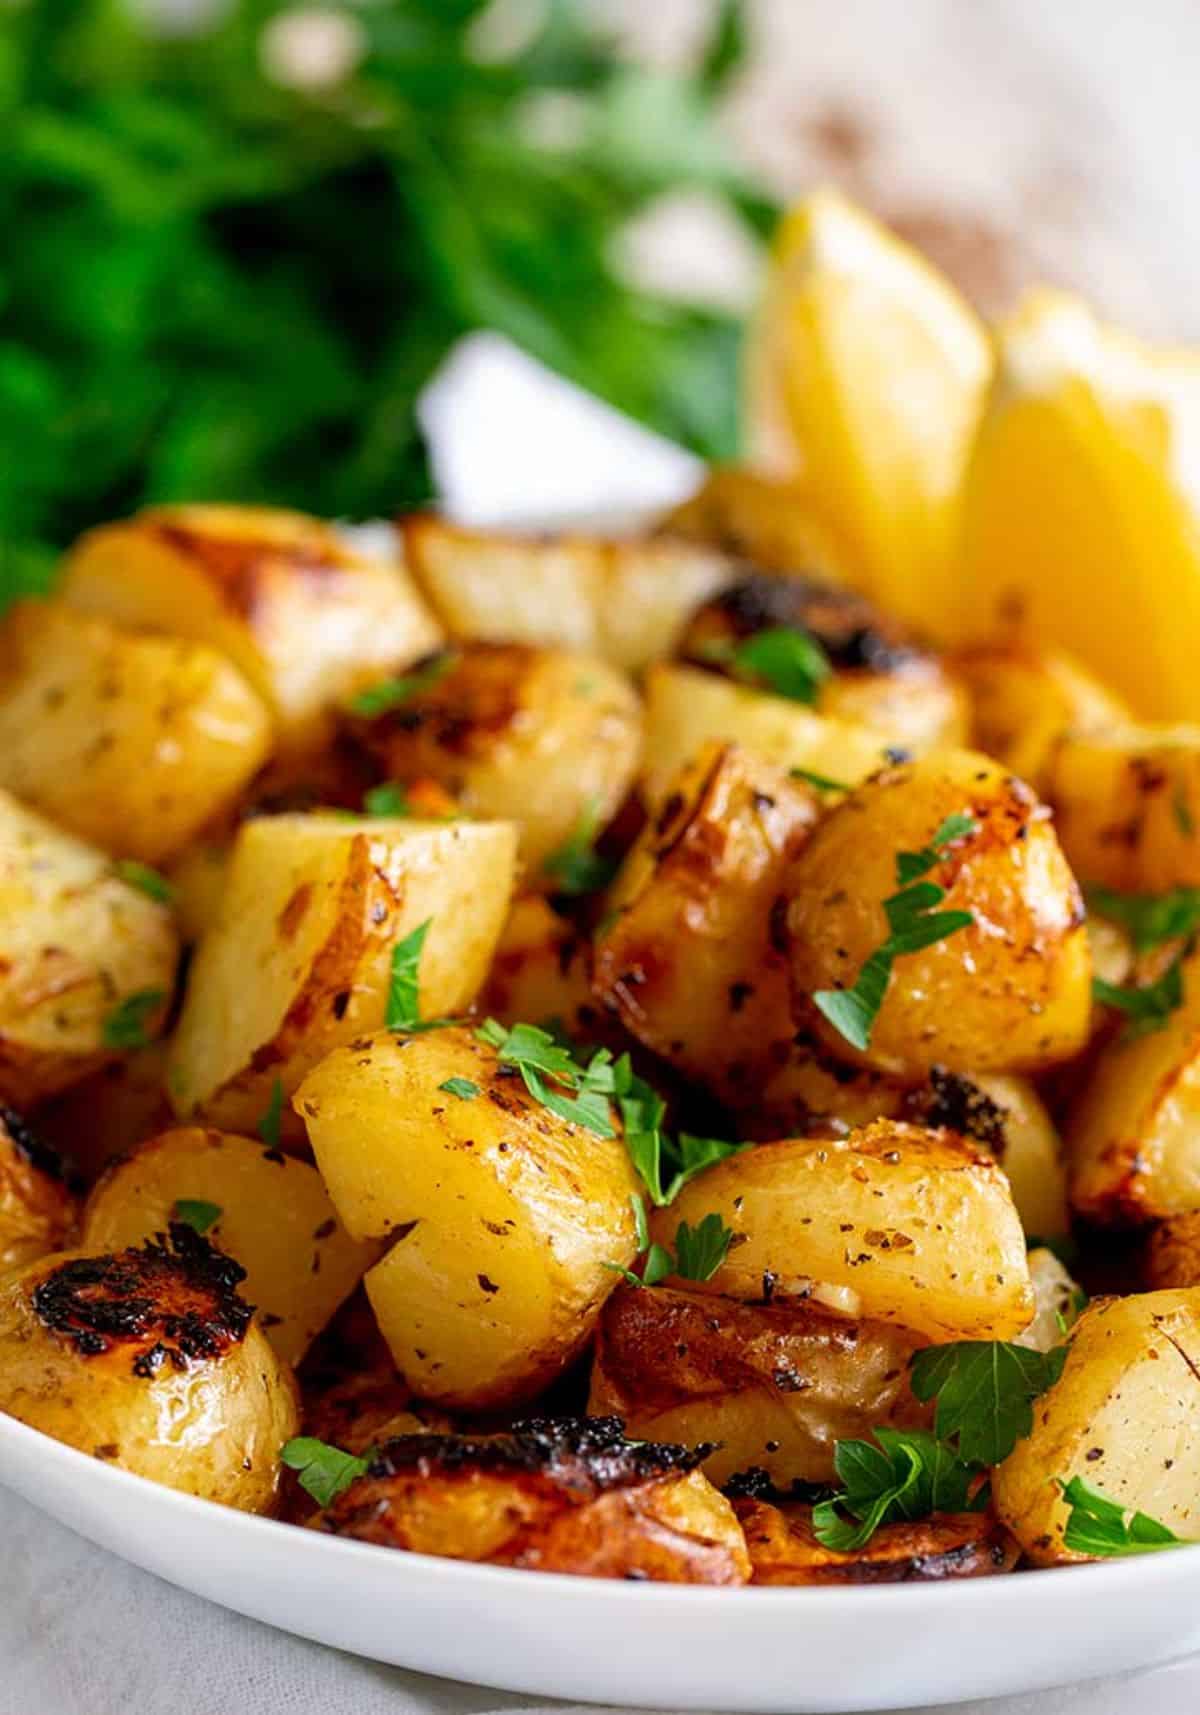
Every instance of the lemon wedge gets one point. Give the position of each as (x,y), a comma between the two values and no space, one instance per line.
(1081,512)
(866,373)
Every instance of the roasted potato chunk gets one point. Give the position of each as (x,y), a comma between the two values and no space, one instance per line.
(304,617)
(687,709)
(1171,1256)
(1030,1151)
(542,971)
(566,1495)
(76,944)
(111,1111)
(270,1213)
(503,1216)
(774,1385)
(784,1550)
(686,954)
(132,742)
(300,957)
(1124,1415)
(149,1359)
(37,1210)
(894,1223)
(625,599)
(812,1092)
(1024,700)
(1010,991)
(770,522)
(1127,806)
(546,738)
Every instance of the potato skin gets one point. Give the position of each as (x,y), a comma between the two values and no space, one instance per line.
(37,1210)
(568,1495)
(75,942)
(771,522)
(541,969)
(1024,700)
(784,1550)
(1010,992)
(275,1220)
(546,738)
(1127,806)
(1123,1415)
(111,1111)
(686,955)
(1171,1257)
(300,957)
(304,617)
(149,1359)
(132,742)
(894,1223)
(775,1385)
(502,1215)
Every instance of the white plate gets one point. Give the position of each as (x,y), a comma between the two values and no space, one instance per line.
(670,1646)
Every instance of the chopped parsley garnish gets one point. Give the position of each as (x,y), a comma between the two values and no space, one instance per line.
(404,995)
(389,799)
(698,1254)
(822,782)
(388,694)
(125,1026)
(783,659)
(553,1077)
(914,924)
(664,1164)
(1146,1009)
(145,879)
(985,1391)
(1151,919)
(270,1124)
(1100,1526)
(194,1212)
(909,1475)
(463,1088)
(324,1471)
(576,866)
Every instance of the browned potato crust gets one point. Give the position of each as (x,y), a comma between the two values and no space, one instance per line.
(567,1495)
(770,521)
(774,1385)
(111,1111)
(783,1549)
(687,954)
(1023,700)
(37,1210)
(1127,806)
(1012,990)
(541,970)
(1172,1253)
(149,1359)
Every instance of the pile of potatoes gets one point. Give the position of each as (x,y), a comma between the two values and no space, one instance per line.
(242,762)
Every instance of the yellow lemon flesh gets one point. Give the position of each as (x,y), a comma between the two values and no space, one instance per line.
(866,372)
(1081,513)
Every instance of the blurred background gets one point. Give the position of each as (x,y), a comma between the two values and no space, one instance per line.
(240,237)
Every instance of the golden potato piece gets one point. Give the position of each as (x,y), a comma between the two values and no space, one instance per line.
(304,617)
(894,1224)
(111,1111)
(1012,990)
(503,1216)
(1059,1300)
(149,1359)
(1171,1257)
(686,954)
(300,957)
(37,1210)
(625,599)
(784,1550)
(775,1385)
(132,742)
(1030,1152)
(771,522)
(1024,700)
(76,945)
(553,1495)
(1127,806)
(687,709)
(273,1216)
(1124,1415)
(812,1092)
(547,738)
(541,971)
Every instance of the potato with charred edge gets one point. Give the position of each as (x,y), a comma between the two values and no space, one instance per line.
(1124,1415)
(132,742)
(541,970)
(37,1210)
(149,1359)
(503,1216)
(304,617)
(687,709)
(300,957)
(554,1495)
(879,678)
(270,1213)
(686,955)
(1127,806)
(784,1550)
(894,1223)
(625,599)
(775,1384)
(76,943)
(1024,700)
(1133,1135)
(546,738)
(1010,991)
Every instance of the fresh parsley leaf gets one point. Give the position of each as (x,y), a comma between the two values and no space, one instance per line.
(985,1391)
(658,1265)
(1146,1009)
(463,1088)
(324,1471)
(389,694)
(1100,1526)
(194,1212)
(700,1250)
(578,1094)
(404,994)
(908,1475)
(389,799)
(146,880)
(576,866)
(911,865)
(782,659)
(270,1124)
(1151,919)
(822,782)
(125,1026)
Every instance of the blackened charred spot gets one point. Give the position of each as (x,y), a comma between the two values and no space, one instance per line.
(577,1453)
(32,1148)
(957,1104)
(853,633)
(739,994)
(756,1484)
